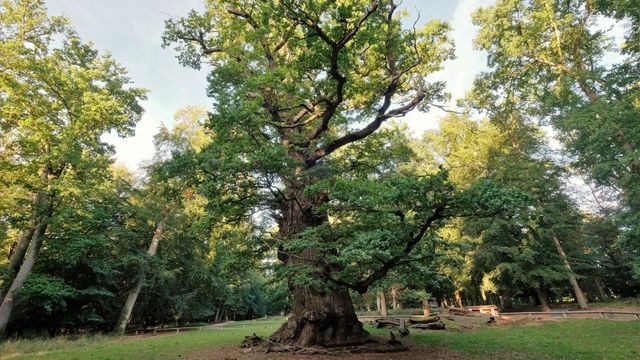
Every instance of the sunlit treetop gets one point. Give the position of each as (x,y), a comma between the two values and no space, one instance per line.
(309,77)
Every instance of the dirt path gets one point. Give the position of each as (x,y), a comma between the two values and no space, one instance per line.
(416,352)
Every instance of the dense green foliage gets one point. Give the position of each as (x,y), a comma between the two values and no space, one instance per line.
(298,180)
(547,60)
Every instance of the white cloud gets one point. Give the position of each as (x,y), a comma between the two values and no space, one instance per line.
(131,31)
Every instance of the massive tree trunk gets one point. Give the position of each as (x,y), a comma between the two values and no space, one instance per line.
(129,304)
(29,260)
(580,297)
(542,298)
(321,316)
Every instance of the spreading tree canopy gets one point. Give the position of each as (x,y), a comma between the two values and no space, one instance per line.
(301,90)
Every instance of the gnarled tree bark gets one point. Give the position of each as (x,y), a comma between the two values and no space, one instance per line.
(321,316)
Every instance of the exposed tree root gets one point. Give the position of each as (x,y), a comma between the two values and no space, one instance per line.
(375,345)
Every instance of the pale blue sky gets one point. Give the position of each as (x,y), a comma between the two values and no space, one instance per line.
(131,29)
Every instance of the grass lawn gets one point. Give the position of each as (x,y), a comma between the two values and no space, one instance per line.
(569,339)
(134,348)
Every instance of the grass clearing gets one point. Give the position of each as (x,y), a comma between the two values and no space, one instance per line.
(617,303)
(164,346)
(568,339)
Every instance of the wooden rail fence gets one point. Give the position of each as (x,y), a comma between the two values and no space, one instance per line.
(221,327)
(603,314)
(609,315)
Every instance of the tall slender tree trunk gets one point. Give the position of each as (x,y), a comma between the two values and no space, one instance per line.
(458,299)
(20,249)
(16,256)
(383,303)
(542,298)
(395,297)
(602,295)
(129,304)
(367,301)
(580,297)
(483,295)
(321,316)
(26,251)
(27,265)
(426,308)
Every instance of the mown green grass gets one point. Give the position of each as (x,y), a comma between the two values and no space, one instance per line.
(101,347)
(569,339)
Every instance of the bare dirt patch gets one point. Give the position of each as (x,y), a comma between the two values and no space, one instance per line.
(415,352)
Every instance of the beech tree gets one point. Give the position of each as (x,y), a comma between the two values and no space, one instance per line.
(169,193)
(57,98)
(549,59)
(519,254)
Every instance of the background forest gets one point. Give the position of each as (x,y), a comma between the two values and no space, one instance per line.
(88,246)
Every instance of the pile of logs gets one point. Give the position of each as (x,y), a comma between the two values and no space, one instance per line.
(430,323)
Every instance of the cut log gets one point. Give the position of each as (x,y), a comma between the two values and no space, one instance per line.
(461,312)
(387,323)
(425,321)
(439,325)
(497,321)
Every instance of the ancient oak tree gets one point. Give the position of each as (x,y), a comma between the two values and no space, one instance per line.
(301,90)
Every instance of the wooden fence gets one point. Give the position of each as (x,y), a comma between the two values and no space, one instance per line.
(593,314)
(220,327)
(581,314)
